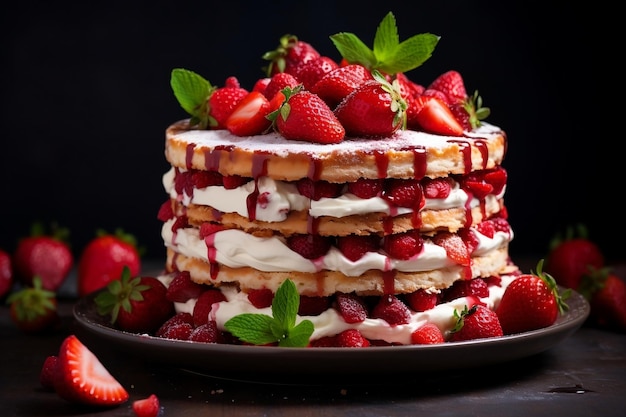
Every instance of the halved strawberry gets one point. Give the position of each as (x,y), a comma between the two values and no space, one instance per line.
(434,116)
(147,407)
(454,246)
(80,377)
(248,117)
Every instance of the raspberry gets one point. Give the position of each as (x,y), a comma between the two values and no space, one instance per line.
(182,288)
(179,318)
(178,331)
(261,298)
(351,338)
(204,304)
(352,307)
(421,300)
(207,333)
(486,228)
(437,187)
(309,246)
(366,188)
(403,245)
(354,247)
(392,310)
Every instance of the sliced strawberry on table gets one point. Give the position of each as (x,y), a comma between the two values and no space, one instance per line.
(532,301)
(305,116)
(34,309)
(104,258)
(135,304)
(606,293)
(573,255)
(147,407)
(80,377)
(43,254)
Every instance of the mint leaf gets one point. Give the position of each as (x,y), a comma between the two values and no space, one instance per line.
(252,328)
(389,55)
(261,329)
(192,92)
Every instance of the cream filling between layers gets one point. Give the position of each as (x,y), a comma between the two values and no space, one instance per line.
(280,197)
(236,248)
(330,322)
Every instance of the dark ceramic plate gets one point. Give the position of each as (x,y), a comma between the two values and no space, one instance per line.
(231,360)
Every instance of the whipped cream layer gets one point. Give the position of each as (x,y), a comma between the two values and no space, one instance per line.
(281,197)
(330,322)
(236,248)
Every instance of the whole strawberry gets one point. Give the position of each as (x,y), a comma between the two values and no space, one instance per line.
(532,301)
(135,304)
(104,258)
(376,109)
(606,293)
(47,256)
(290,54)
(6,273)
(305,116)
(573,256)
(34,309)
(477,322)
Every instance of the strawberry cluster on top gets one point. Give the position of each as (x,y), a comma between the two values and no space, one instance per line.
(310,97)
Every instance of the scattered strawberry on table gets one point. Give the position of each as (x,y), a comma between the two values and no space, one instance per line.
(46,255)
(34,309)
(78,376)
(6,274)
(104,258)
(147,407)
(577,262)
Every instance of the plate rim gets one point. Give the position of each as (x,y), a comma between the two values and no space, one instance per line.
(228,358)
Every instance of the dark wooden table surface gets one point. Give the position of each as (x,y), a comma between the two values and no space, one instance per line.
(583,375)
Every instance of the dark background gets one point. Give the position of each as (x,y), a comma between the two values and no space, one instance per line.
(86,99)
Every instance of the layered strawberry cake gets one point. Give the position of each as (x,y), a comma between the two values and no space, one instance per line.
(381,199)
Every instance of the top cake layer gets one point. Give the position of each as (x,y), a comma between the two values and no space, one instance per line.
(407,154)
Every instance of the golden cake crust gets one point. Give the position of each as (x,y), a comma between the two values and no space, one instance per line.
(407,154)
(297,222)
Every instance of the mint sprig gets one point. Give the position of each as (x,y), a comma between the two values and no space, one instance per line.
(192,92)
(280,327)
(388,55)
